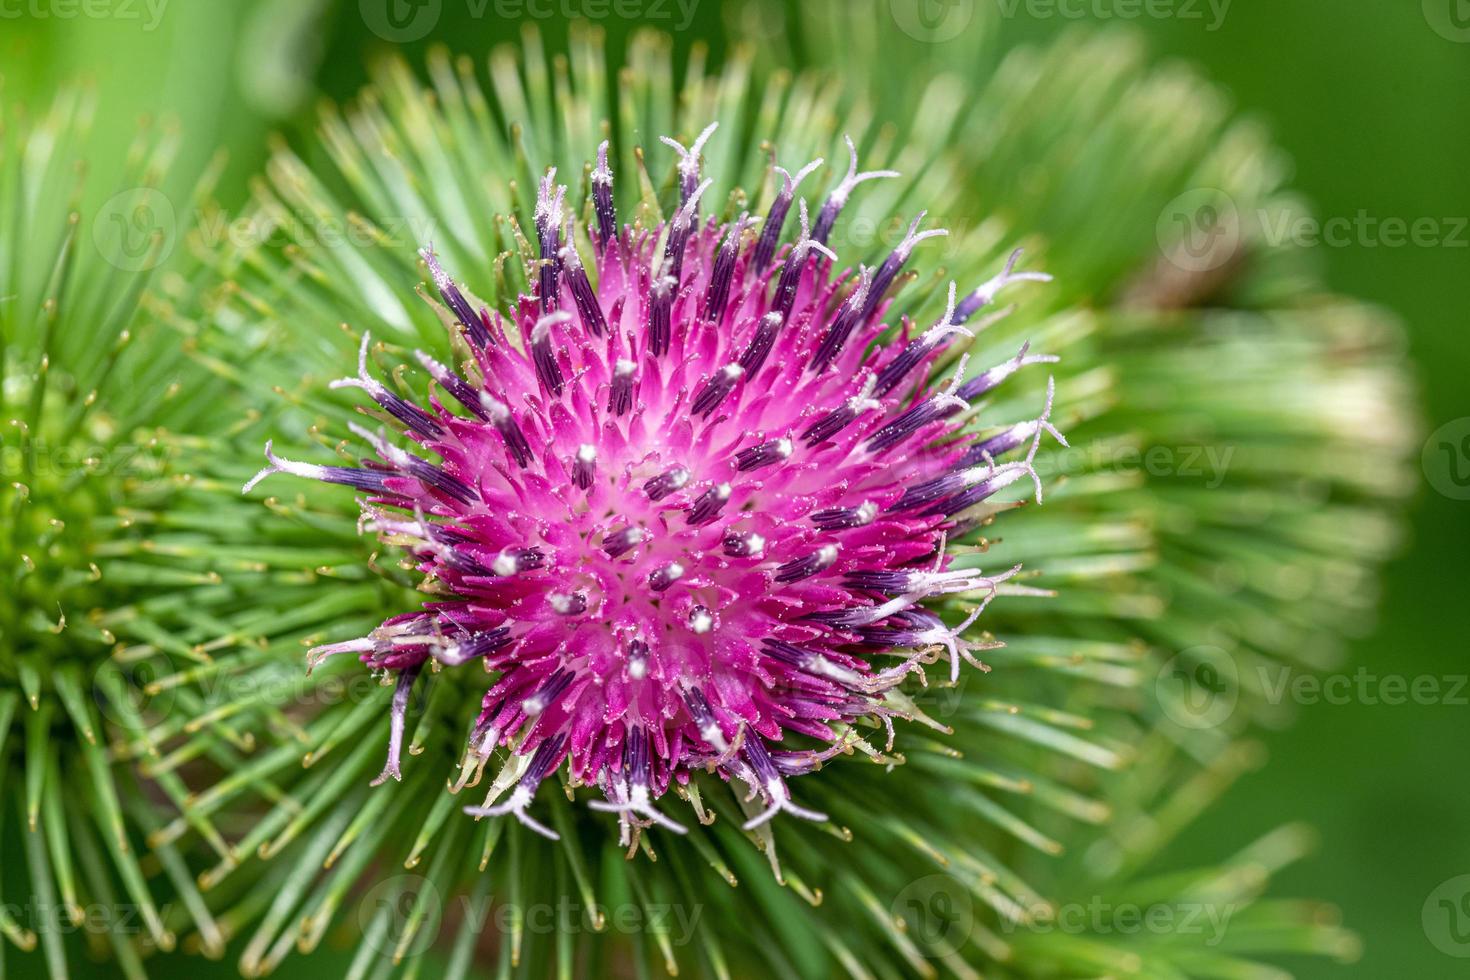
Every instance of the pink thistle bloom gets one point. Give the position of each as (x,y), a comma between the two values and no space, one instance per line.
(687,512)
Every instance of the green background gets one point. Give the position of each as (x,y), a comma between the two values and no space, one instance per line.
(1370,102)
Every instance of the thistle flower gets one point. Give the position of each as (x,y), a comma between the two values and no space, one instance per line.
(1056,778)
(683,513)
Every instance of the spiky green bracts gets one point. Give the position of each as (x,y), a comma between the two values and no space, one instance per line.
(99,546)
(1041,788)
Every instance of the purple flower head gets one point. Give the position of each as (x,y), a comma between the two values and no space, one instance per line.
(683,504)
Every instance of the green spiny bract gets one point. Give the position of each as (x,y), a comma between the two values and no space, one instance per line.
(100,393)
(1042,788)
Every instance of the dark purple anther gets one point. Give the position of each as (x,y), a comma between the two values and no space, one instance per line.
(722,274)
(929,491)
(397,717)
(761,342)
(588,308)
(795,265)
(433,476)
(513,560)
(799,568)
(635,758)
(548,372)
(704,718)
(940,405)
(602,200)
(619,543)
(919,348)
(707,506)
(666,483)
(913,629)
(997,445)
(974,495)
(584,465)
(369,481)
(987,380)
(765,248)
(786,653)
(551,689)
(716,390)
(847,318)
(637,659)
(837,200)
(984,295)
(760,762)
(660,314)
(689,162)
(504,421)
(564,604)
(425,472)
(411,416)
(755,457)
(841,518)
(451,382)
(548,218)
(906,425)
(889,270)
(894,582)
(701,620)
(665,575)
(680,228)
(483,643)
(620,393)
(548,754)
(840,418)
(454,299)
(744,544)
